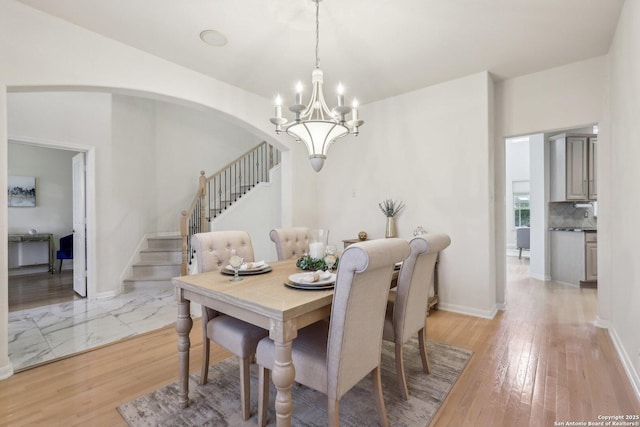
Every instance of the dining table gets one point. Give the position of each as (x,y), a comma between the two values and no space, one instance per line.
(260,299)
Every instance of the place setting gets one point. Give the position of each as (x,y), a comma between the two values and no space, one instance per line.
(237,267)
(318,274)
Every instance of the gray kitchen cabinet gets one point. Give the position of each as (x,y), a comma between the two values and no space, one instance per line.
(567,257)
(591,257)
(572,167)
(593,170)
(574,257)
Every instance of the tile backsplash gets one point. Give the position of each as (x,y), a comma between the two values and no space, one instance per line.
(564,214)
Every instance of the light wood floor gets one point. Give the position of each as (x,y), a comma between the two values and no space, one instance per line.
(540,361)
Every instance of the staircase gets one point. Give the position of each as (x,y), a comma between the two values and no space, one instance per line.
(158,263)
(220,190)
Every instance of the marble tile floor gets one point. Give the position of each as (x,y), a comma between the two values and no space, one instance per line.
(50,332)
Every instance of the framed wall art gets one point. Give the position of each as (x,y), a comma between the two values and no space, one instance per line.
(22,192)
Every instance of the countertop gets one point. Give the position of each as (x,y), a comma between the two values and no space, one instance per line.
(586,229)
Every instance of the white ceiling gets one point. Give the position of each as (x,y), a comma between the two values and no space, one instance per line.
(377,48)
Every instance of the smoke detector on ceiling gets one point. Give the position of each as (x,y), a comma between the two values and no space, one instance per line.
(213,38)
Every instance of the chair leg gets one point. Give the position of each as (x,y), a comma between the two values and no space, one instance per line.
(245,387)
(377,390)
(422,342)
(204,374)
(60,268)
(263,395)
(402,381)
(520,254)
(333,412)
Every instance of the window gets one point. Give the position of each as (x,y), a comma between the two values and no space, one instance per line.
(521,210)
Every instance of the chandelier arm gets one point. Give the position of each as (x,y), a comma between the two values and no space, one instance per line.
(308,111)
(324,106)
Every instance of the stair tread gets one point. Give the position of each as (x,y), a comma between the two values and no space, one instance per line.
(148,279)
(160,250)
(157,263)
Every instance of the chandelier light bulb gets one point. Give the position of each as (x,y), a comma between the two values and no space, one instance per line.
(278,100)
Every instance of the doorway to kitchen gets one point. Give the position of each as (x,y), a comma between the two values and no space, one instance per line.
(535,165)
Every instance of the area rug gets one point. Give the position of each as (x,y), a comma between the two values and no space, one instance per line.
(218,404)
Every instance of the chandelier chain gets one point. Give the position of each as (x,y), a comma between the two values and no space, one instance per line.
(317,33)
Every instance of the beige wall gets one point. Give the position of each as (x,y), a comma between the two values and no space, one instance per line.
(5,364)
(624,195)
(429,148)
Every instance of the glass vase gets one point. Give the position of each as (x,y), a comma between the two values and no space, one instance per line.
(318,239)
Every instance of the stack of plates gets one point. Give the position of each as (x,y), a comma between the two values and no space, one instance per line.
(244,271)
(304,281)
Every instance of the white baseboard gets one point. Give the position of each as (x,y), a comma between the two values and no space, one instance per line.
(469,311)
(627,362)
(573,285)
(127,271)
(542,277)
(601,323)
(108,294)
(6,371)
(501,306)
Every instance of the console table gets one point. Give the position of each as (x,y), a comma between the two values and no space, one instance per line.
(21,241)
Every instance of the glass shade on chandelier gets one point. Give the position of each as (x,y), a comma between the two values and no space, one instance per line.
(315,124)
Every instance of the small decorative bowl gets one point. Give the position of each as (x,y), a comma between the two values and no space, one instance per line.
(362,235)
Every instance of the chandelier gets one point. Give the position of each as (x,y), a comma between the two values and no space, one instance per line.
(315,123)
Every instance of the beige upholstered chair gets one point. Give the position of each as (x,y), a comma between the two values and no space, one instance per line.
(290,242)
(407,315)
(240,338)
(332,357)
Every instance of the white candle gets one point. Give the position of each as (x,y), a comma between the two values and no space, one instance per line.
(278,106)
(354,109)
(316,250)
(340,95)
(299,93)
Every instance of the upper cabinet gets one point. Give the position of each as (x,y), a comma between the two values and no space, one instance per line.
(572,159)
(593,171)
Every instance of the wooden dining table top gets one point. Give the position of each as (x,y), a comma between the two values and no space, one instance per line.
(265,294)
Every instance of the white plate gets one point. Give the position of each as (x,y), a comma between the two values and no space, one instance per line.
(301,278)
(309,286)
(261,266)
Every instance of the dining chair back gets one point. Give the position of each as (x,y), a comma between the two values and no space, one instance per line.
(290,242)
(333,357)
(407,315)
(241,338)
(213,249)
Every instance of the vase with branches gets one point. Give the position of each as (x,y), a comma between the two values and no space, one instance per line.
(390,208)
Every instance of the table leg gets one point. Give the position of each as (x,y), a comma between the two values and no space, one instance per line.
(283,372)
(183,326)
